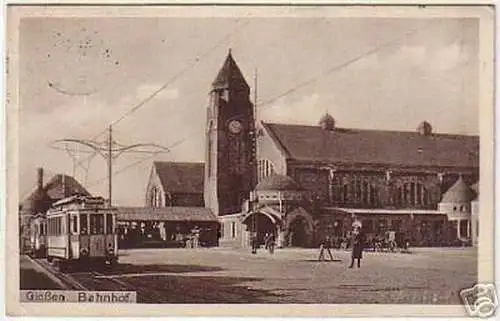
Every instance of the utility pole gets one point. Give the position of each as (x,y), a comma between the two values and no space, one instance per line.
(109,150)
(110,166)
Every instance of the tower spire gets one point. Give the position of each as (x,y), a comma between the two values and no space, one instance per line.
(230,75)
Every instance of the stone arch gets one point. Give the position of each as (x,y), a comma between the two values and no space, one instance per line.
(299,228)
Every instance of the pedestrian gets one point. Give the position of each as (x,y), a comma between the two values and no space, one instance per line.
(271,243)
(255,243)
(357,247)
(196,237)
(325,245)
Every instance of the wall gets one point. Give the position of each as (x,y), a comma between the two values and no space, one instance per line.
(232,231)
(268,150)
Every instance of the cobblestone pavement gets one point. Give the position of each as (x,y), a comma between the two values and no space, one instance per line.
(426,276)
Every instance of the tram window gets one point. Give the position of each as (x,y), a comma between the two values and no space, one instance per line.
(109,224)
(83,224)
(96,224)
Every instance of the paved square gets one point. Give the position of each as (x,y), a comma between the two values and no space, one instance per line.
(426,276)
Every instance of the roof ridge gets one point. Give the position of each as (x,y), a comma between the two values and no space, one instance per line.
(340,129)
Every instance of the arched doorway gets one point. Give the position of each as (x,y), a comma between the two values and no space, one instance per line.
(297,233)
(261,224)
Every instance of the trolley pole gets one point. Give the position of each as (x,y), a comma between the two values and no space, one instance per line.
(110,166)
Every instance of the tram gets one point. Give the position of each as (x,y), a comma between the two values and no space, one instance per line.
(37,236)
(81,229)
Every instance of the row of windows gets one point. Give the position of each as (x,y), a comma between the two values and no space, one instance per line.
(413,194)
(96,224)
(358,192)
(362,191)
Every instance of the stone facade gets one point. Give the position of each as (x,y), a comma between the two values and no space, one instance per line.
(230,165)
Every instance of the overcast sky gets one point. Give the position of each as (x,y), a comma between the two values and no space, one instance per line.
(78,75)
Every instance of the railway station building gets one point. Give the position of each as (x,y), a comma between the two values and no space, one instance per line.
(302,182)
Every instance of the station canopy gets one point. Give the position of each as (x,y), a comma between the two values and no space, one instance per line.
(167,214)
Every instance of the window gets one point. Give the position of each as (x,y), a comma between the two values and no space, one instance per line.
(96,224)
(41,229)
(209,154)
(221,230)
(233,230)
(109,224)
(265,168)
(84,224)
(74,220)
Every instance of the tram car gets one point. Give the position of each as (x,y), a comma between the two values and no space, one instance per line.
(38,236)
(81,229)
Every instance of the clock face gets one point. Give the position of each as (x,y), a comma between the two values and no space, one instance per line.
(235,126)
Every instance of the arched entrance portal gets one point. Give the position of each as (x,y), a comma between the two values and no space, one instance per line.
(297,233)
(261,224)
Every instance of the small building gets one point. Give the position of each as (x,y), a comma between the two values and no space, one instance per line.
(175,184)
(172,226)
(45,194)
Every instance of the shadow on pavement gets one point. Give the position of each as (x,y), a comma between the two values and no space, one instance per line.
(199,289)
(145,268)
(323,261)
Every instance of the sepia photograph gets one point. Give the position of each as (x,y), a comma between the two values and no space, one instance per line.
(321,156)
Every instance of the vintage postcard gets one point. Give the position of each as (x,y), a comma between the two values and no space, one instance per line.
(250,160)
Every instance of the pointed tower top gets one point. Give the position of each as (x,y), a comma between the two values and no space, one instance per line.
(230,75)
(458,193)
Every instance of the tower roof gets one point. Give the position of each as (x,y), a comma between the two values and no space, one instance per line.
(458,193)
(230,75)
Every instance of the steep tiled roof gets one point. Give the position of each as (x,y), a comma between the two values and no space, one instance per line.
(199,214)
(180,177)
(311,143)
(61,186)
(230,75)
(58,187)
(458,193)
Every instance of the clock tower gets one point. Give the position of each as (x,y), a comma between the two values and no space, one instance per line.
(230,162)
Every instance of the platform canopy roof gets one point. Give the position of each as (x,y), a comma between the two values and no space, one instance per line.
(175,214)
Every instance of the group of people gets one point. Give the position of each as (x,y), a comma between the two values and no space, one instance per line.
(269,243)
(356,246)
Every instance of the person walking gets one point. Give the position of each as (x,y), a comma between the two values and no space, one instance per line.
(325,245)
(357,248)
(271,242)
(254,242)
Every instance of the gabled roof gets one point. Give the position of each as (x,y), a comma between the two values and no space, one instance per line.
(313,144)
(58,187)
(230,75)
(179,177)
(61,186)
(179,214)
(458,193)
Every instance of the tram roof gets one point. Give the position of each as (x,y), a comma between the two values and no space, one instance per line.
(175,213)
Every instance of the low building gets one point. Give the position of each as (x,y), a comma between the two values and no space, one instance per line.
(172,226)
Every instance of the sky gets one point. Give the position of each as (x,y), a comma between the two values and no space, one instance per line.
(79,75)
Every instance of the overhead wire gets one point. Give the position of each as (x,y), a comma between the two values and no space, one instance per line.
(172,80)
(335,68)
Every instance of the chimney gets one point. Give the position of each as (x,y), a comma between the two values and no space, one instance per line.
(40,178)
